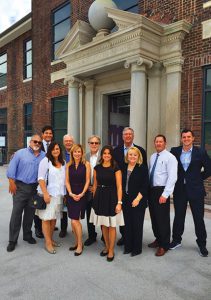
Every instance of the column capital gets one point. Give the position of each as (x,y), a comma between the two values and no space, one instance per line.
(137,62)
(89,83)
(73,82)
(155,71)
(174,65)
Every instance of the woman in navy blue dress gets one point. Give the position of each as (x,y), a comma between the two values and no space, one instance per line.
(77,183)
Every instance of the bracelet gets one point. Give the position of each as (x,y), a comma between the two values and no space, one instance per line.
(119,202)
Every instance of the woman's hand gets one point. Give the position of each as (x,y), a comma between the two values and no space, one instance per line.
(118,208)
(135,203)
(47,197)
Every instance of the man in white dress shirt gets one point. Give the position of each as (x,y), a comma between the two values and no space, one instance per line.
(163,176)
(93,157)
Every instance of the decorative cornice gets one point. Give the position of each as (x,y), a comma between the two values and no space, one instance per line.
(173,65)
(73,81)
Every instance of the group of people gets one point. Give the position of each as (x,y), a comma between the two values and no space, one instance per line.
(112,187)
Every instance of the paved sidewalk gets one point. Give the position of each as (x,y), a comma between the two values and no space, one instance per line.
(31,273)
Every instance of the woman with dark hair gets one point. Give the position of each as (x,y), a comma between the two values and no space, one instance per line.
(51,178)
(135,187)
(78,174)
(107,202)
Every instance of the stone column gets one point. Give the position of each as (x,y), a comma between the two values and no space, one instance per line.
(138,100)
(154,106)
(89,108)
(73,123)
(172,101)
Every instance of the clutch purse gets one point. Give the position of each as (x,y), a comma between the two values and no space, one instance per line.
(38,202)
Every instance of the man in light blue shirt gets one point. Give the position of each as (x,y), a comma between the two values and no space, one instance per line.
(22,174)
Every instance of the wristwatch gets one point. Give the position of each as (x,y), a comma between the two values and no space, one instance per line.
(119,202)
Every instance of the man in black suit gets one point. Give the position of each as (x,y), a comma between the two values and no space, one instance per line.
(119,155)
(47,137)
(190,188)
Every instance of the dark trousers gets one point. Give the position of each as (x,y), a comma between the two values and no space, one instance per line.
(133,229)
(64,221)
(21,201)
(90,226)
(160,217)
(197,209)
(37,224)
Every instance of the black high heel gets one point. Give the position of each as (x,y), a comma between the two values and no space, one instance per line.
(73,248)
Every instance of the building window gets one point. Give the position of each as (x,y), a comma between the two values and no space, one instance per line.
(3,135)
(27,123)
(27,73)
(207,110)
(60,25)
(3,70)
(59,117)
(127,5)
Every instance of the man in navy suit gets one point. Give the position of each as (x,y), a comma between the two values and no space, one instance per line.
(119,155)
(190,188)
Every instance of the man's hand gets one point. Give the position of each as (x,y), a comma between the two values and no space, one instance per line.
(162,200)
(12,186)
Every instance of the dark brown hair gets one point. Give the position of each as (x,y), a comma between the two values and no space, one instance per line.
(108,147)
(50,156)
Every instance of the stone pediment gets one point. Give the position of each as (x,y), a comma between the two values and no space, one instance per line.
(80,34)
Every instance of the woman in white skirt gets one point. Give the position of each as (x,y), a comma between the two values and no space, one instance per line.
(107,202)
(51,178)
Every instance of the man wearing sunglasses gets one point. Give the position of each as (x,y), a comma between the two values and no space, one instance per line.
(93,157)
(22,174)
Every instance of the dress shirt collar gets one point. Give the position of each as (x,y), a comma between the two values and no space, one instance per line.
(95,154)
(32,151)
(190,150)
(126,148)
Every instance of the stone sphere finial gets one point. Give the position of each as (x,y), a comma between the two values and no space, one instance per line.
(98,17)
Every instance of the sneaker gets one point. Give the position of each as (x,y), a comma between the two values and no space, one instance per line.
(173,245)
(203,251)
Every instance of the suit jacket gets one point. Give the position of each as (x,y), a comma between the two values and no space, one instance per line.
(119,156)
(193,176)
(138,182)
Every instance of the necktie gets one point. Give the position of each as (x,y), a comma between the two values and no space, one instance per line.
(153,171)
(47,145)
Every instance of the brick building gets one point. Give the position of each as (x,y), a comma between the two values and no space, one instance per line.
(161,55)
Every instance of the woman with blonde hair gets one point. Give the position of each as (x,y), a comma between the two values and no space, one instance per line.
(135,181)
(77,183)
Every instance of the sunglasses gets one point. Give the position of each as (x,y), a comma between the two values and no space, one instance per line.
(94,143)
(37,142)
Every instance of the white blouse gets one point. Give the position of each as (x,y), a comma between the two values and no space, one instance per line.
(56,178)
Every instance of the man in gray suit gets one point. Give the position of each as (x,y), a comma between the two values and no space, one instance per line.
(93,157)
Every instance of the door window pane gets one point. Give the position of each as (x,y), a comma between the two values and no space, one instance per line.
(208,106)
(208,81)
(208,138)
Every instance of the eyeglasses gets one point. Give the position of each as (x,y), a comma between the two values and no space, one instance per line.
(94,143)
(37,142)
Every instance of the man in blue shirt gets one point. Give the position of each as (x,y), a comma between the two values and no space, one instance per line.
(194,166)
(22,174)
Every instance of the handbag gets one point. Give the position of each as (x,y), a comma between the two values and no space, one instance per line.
(38,201)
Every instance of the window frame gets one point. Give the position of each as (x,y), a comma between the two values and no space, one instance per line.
(205,90)
(53,112)
(27,132)
(132,6)
(25,63)
(53,25)
(4,75)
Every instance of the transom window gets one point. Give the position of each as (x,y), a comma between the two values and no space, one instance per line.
(127,5)
(61,25)
(27,73)
(207,110)
(3,69)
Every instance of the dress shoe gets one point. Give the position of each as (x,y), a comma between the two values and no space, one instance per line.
(203,251)
(39,234)
(56,228)
(135,253)
(120,242)
(161,251)
(62,234)
(126,252)
(11,246)
(153,244)
(104,252)
(89,242)
(79,253)
(56,244)
(31,241)
(50,251)
(73,248)
(110,258)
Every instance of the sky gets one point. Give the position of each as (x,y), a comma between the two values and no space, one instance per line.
(11,11)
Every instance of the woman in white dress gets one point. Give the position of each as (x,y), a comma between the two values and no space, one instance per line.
(51,178)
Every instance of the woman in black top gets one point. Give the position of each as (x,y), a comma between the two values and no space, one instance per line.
(135,187)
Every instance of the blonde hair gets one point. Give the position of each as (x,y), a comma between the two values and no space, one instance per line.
(74,148)
(140,157)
